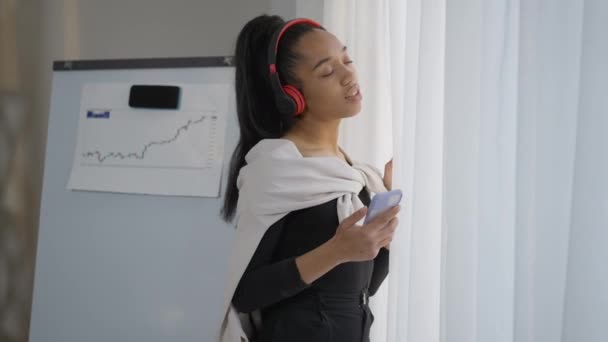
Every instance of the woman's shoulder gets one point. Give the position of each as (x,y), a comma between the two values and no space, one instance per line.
(271,148)
(261,160)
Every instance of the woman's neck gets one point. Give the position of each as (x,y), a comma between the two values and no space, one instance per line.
(316,138)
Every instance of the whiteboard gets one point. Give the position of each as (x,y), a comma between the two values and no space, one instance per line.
(127,267)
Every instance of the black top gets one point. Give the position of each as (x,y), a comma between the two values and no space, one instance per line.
(272,274)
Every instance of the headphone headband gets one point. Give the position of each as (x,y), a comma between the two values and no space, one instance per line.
(276,37)
(288,98)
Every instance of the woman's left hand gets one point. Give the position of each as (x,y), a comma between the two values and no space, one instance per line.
(388,175)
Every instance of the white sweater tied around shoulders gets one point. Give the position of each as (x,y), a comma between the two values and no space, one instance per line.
(276,180)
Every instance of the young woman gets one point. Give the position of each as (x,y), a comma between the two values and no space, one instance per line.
(302,267)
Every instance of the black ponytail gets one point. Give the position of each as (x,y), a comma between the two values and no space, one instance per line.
(257,113)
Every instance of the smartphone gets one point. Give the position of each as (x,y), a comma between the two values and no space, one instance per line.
(381,202)
(154,96)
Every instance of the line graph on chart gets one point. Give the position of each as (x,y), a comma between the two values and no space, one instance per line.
(150,150)
(161,143)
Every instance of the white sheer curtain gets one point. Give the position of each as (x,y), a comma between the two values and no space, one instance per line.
(478,101)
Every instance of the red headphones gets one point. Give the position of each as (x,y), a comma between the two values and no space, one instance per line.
(289,100)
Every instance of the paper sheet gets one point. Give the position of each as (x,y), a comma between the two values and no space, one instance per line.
(151,151)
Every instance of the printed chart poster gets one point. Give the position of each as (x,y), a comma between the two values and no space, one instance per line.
(176,152)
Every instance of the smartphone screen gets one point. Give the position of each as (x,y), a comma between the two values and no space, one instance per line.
(381,202)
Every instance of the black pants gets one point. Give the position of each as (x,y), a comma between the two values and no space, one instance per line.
(318,317)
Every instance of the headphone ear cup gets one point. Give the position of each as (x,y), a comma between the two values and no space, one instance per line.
(297,98)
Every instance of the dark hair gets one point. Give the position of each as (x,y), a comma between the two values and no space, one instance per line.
(257,113)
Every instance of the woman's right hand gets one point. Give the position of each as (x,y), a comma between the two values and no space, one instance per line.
(354,242)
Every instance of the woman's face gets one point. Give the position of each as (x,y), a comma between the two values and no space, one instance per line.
(328,77)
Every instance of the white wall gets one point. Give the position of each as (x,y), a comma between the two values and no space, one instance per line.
(312,9)
(290,9)
(160,28)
